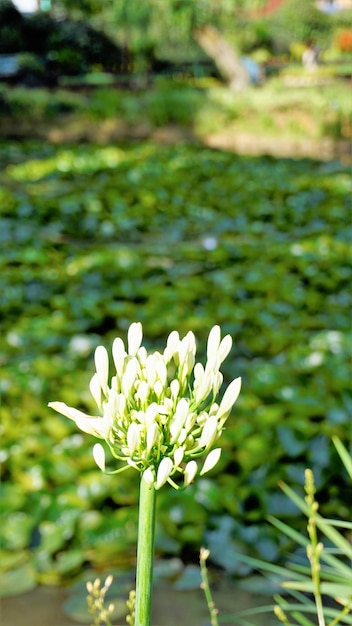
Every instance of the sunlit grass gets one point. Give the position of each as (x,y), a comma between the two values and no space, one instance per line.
(274,109)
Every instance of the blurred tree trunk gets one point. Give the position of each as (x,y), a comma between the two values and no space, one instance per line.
(225,57)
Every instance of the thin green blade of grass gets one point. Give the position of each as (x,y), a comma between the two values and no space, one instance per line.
(338,523)
(329,612)
(241,616)
(303,541)
(344,455)
(259,565)
(302,598)
(328,574)
(295,610)
(338,590)
(335,537)
(290,532)
(329,531)
(335,563)
(334,569)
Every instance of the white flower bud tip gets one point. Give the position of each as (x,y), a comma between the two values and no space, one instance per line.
(148,476)
(211,461)
(230,396)
(102,366)
(134,338)
(190,472)
(213,343)
(209,432)
(99,456)
(132,437)
(164,470)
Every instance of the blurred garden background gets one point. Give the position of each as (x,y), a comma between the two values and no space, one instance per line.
(173,162)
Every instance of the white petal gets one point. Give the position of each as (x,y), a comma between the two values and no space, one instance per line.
(133,437)
(179,418)
(143,391)
(187,351)
(95,389)
(172,345)
(158,388)
(225,347)
(182,436)
(142,355)
(99,456)
(148,476)
(175,388)
(209,432)
(118,354)
(151,369)
(129,377)
(102,367)
(134,338)
(151,413)
(230,396)
(217,382)
(204,389)
(88,424)
(152,436)
(161,370)
(178,455)
(164,470)
(211,460)
(213,343)
(190,472)
(198,373)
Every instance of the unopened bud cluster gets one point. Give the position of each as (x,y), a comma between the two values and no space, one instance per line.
(159,412)
(96,599)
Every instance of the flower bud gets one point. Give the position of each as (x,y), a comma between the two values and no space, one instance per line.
(230,396)
(179,419)
(225,347)
(102,367)
(158,388)
(211,461)
(213,343)
(172,346)
(133,437)
(143,391)
(178,455)
(99,456)
(175,388)
(148,476)
(95,389)
(134,338)
(209,432)
(129,376)
(164,470)
(190,472)
(152,436)
(118,355)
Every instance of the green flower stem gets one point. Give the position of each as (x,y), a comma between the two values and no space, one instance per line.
(145,554)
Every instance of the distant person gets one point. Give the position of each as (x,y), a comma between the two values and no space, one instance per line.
(310,57)
(328,6)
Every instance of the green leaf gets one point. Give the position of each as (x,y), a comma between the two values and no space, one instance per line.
(17,581)
(345,456)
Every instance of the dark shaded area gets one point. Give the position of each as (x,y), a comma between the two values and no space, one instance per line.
(53,47)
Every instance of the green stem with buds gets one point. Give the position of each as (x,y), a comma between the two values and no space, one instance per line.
(145,554)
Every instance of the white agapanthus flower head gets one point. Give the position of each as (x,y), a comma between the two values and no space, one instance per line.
(158,412)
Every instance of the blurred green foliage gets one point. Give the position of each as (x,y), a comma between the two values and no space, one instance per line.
(181,237)
(133,38)
(201,106)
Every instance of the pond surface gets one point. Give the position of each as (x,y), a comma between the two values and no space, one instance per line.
(44,606)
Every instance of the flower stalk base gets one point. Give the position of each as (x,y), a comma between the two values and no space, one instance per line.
(145,554)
